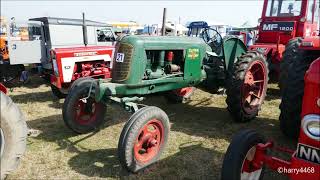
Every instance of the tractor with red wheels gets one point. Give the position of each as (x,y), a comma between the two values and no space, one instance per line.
(13,134)
(248,154)
(62,49)
(145,65)
(282,25)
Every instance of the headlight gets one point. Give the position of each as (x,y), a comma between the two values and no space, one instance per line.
(311,126)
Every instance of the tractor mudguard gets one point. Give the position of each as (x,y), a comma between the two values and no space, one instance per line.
(233,47)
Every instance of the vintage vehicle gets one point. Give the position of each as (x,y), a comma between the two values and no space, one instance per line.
(309,50)
(247,154)
(282,25)
(196,27)
(13,134)
(65,49)
(148,64)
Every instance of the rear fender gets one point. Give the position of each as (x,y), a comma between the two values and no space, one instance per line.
(232,48)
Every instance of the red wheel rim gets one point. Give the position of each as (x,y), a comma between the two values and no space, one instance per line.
(184,92)
(148,141)
(251,169)
(253,87)
(85,113)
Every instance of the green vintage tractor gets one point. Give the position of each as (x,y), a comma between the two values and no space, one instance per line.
(156,64)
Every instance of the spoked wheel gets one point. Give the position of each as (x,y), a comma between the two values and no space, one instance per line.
(83,114)
(143,138)
(180,95)
(239,162)
(253,86)
(247,87)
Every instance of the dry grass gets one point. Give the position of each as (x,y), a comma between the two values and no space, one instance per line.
(200,134)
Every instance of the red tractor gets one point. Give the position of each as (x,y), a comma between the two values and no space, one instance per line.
(292,94)
(70,64)
(13,134)
(282,25)
(63,49)
(247,156)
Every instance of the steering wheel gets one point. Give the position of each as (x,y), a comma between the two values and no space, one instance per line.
(213,38)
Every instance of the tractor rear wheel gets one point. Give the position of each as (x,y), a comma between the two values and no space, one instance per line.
(238,160)
(292,95)
(81,113)
(13,135)
(143,138)
(180,95)
(289,55)
(247,86)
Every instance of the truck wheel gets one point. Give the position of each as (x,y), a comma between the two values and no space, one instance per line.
(143,138)
(289,55)
(13,135)
(237,163)
(83,116)
(291,102)
(247,86)
(57,92)
(180,95)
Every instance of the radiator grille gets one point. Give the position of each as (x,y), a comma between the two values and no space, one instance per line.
(120,70)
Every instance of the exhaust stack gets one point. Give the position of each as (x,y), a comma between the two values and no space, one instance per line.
(84,29)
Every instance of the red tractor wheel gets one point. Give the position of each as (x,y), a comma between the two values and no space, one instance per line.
(180,95)
(143,138)
(247,87)
(238,161)
(82,114)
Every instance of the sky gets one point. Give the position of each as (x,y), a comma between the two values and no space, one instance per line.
(232,12)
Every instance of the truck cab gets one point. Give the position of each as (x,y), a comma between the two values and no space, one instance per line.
(283,20)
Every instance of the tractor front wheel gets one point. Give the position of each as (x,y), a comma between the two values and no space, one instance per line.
(13,135)
(247,86)
(81,113)
(143,138)
(239,159)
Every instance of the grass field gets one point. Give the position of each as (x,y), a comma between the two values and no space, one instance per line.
(200,134)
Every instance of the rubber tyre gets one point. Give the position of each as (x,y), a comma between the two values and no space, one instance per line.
(14,128)
(174,98)
(292,96)
(57,92)
(68,111)
(289,56)
(130,132)
(235,82)
(79,82)
(241,143)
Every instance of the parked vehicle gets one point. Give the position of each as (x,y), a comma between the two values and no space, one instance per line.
(309,50)
(65,49)
(249,153)
(281,27)
(148,64)
(13,134)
